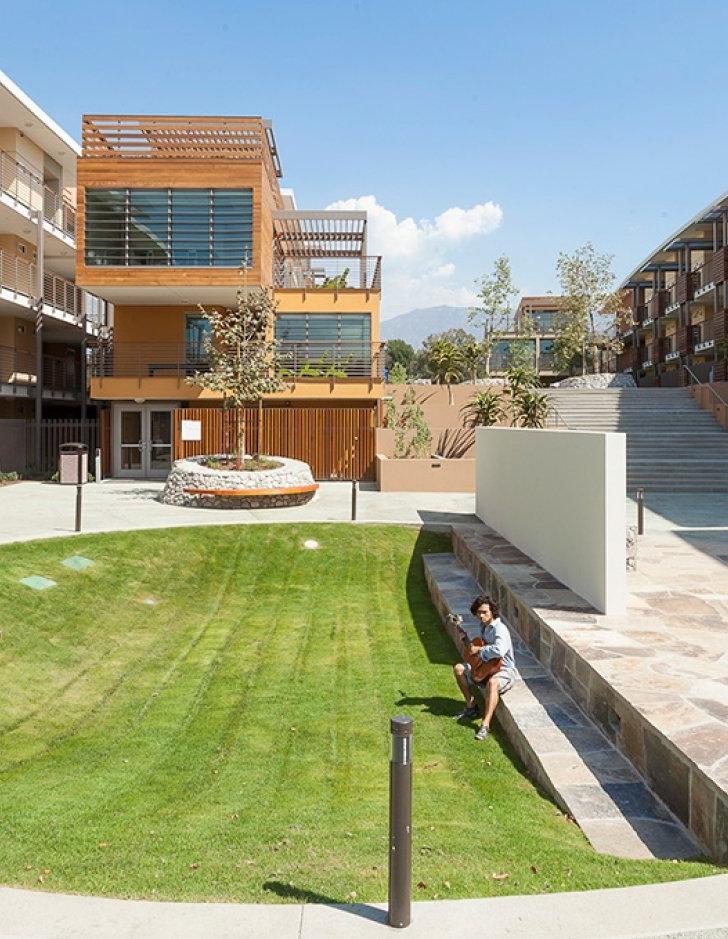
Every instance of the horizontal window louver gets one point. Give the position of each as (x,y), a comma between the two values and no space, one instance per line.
(169,227)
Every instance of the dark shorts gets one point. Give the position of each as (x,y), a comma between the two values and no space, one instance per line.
(505,679)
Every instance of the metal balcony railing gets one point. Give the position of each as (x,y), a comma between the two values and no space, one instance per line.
(27,188)
(18,276)
(18,368)
(362,273)
(325,361)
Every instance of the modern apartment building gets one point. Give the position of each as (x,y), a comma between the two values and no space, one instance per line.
(534,328)
(45,319)
(169,210)
(678,297)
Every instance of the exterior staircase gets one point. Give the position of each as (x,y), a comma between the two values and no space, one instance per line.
(673,445)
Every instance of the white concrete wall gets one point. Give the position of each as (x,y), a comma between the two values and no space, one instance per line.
(560,497)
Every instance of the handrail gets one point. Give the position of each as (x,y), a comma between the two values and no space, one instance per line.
(29,189)
(703,384)
(559,416)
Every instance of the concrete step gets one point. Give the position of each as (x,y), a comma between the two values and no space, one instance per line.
(566,754)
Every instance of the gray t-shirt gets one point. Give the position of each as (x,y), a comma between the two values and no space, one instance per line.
(498,645)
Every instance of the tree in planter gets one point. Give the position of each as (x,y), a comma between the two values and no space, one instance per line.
(446,362)
(485,408)
(242,361)
(592,312)
(494,309)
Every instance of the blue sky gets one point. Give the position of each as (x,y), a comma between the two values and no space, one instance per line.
(546,123)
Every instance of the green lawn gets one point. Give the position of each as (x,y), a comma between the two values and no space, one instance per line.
(231,741)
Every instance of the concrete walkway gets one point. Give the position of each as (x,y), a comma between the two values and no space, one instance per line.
(684,908)
(30,510)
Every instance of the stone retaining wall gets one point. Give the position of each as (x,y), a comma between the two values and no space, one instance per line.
(191,474)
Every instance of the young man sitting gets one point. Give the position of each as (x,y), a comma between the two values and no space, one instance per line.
(496,645)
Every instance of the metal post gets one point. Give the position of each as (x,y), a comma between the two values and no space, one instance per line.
(39,272)
(97,466)
(400,822)
(640,511)
(79,490)
(354,490)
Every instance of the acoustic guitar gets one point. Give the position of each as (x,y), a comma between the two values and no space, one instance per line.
(480,670)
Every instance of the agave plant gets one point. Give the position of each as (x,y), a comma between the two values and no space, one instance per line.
(530,409)
(485,408)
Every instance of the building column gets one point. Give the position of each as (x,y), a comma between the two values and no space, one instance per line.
(38,303)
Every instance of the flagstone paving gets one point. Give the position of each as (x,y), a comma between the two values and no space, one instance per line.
(655,680)
(562,749)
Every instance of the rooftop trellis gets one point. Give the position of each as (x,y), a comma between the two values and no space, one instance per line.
(332,234)
(172,137)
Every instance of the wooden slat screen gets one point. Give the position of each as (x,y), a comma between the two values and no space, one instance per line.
(337,443)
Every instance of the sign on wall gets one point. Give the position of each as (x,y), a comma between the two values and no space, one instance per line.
(191,430)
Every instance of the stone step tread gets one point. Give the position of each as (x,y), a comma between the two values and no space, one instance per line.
(565,752)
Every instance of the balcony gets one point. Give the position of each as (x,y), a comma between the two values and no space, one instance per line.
(332,274)
(62,299)
(703,284)
(18,374)
(719,265)
(656,305)
(300,361)
(22,187)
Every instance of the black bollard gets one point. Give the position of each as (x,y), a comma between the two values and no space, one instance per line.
(354,491)
(640,511)
(400,822)
(79,490)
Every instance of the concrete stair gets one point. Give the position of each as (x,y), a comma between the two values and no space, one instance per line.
(673,445)
(563,750)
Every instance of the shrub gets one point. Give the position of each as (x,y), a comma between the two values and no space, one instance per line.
(485,408)
(397,374)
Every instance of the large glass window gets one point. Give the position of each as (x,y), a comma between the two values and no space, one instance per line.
(169,227)
(325,344)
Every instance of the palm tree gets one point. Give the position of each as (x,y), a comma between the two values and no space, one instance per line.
(446,361)
(485,408)
(472,354)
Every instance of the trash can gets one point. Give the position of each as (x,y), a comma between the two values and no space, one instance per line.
(70,456)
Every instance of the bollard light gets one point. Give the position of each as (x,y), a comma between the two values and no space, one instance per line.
(640,511)
(400,822)
(79,490)
(354,492)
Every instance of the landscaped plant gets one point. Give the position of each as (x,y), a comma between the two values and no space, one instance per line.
(592,314)
(530,409)
(338,281)
(446,362)
(7,478)
(397,374)
(243,364)
(485,408)
(412,437)
(494,309)
(472,355)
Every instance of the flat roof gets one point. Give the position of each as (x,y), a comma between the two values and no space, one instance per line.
(18,110)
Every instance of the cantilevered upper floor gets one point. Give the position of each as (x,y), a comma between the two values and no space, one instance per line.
(188,209)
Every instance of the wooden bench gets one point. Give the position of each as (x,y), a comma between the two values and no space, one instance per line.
(252,493)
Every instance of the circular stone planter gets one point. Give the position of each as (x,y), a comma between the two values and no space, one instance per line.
(278,487)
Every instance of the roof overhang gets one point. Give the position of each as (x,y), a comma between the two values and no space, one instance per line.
(660,258)
(18,110)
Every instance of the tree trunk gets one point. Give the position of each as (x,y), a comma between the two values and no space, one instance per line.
(240,432)
(449,392)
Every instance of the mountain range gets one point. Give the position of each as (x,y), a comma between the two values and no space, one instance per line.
(414,327)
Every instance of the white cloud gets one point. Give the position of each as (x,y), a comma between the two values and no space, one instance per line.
(418,270)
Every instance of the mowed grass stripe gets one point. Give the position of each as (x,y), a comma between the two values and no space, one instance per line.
(238,749)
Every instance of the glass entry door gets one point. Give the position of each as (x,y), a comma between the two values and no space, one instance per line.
(143,435)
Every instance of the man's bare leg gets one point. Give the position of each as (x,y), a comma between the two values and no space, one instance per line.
(459,672)
(491,696)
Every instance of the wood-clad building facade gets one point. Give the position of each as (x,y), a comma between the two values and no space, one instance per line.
(176,214)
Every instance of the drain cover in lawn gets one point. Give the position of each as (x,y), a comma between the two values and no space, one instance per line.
(37,582)
(78,563)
